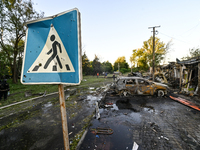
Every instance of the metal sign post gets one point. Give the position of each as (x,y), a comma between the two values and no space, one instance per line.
(52,55)
(63,116)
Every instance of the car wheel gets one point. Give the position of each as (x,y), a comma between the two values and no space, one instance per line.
(124,93)
(160,93)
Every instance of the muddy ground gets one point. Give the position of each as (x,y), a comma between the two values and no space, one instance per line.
(152,122)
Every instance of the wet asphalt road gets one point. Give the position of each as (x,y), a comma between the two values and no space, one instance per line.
(153,123)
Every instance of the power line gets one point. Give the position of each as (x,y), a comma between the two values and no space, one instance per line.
(191,29)
(174,38)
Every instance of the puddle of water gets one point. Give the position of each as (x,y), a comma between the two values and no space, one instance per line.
(67,96)
(149,109)
(120,139)
(136,117)
(93,99)
(115,107)
(47,106)
(101,110)
(126,105)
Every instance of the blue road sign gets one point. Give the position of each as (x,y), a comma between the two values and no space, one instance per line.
(52,53)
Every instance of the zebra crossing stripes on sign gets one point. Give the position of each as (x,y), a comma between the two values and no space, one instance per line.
(52,53)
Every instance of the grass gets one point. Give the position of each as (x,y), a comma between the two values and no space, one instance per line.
(18,119)
(78,136)
(17,91)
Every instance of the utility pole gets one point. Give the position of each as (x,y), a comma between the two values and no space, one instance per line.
(153,65)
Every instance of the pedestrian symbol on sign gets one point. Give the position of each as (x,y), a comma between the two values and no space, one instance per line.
(53,57)
(54,50)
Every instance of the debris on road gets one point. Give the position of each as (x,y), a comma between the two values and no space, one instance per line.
(187,103)
(97,111)
(108,106)
(102,131)
(135,146)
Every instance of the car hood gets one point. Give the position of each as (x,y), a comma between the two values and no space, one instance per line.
(160,84)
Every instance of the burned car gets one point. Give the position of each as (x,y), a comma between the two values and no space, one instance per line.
(126,86)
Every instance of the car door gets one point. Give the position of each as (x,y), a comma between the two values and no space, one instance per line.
(131,86)
(121,84)
(144,87)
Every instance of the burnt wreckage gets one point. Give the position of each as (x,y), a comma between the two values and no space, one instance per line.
(127,86)
(183,75)
(189,75)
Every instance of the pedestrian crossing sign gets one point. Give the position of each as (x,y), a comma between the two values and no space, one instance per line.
(52,53)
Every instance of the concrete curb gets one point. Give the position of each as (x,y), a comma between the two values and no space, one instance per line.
(81,140)
(27,100)
(84,134)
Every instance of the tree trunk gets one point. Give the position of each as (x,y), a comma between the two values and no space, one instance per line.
(15,74)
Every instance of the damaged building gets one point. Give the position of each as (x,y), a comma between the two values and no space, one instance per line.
(183,75)
(189,74)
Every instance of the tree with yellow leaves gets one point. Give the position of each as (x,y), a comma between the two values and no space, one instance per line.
(143,57)
(122,63)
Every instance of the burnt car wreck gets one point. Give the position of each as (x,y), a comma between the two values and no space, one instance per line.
(127,86)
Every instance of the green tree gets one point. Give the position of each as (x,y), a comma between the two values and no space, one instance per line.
(91,68)
(143,57)
(13,16)
(86,66)
(122,63)
(4,63)
(194,52)
(139,58)
(107,67)
(96,65)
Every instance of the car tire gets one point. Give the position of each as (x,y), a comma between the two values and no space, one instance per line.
(121,93)
(124,93)
(160,93)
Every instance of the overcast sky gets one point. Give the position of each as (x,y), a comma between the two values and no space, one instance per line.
(113,28)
